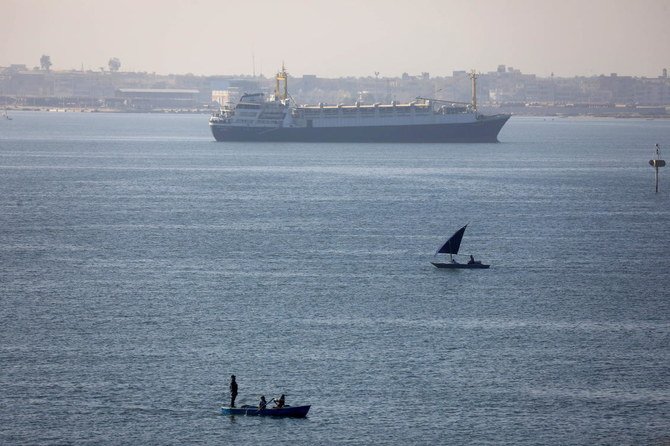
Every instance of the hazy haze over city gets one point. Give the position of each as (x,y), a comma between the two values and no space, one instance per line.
(340,38)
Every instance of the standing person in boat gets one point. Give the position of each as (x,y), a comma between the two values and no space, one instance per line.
(233,390)
(280,402)
(262,404)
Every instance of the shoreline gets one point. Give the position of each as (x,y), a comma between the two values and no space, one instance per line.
(106,110)
(539,112)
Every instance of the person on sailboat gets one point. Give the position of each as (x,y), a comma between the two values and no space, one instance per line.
(472,260)
(233,390)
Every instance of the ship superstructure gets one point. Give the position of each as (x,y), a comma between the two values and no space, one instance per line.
(255,118)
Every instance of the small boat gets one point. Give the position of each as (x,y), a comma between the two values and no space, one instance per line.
(451,247)
(286,411)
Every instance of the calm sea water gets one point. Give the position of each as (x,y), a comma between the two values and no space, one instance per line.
(141,264)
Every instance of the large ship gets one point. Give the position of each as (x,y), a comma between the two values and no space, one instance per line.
(279,119)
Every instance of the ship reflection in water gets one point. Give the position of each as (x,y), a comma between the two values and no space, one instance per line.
(424,120)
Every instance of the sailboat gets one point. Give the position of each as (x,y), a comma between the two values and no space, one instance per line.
(451,247)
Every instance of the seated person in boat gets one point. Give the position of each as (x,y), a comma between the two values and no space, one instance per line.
(280,402)
(472,260)
(262,404)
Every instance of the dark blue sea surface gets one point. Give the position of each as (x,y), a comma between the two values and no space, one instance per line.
(142,263)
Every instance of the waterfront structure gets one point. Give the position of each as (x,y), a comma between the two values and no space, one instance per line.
(158,98)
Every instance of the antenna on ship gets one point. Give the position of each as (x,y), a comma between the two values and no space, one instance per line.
(282,76)
(473,75)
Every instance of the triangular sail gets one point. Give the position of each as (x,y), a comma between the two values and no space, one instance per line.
(453,244)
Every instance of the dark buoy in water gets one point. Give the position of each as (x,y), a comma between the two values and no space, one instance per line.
(656,163)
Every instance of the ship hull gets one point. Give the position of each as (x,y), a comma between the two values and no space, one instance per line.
(483,130)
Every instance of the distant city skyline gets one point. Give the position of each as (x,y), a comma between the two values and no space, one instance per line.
(343,38)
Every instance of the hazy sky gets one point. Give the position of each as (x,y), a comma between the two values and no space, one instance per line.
(335,38)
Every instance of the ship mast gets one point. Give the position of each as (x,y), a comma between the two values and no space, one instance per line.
(473,76)
(282,77)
